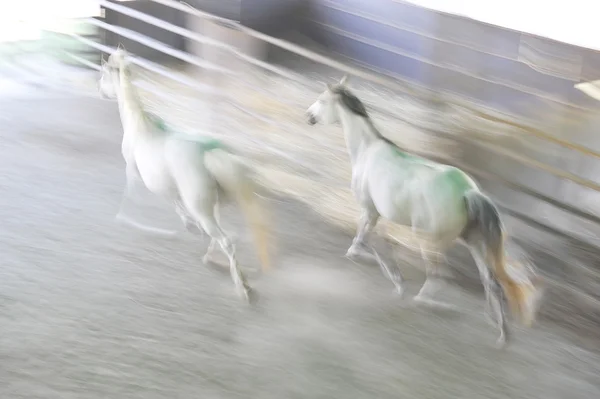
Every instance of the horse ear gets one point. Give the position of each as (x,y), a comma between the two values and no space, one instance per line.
(344,80)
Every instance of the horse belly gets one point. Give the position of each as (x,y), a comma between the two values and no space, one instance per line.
(393,203)
(156,175)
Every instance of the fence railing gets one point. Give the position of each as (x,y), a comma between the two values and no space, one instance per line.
(446,99)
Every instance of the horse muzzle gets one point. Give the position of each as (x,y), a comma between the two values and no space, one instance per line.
(311,119)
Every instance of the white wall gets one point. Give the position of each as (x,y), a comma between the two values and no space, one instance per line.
(24,19)
(574,21)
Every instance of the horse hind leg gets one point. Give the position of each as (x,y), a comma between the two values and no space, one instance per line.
(211,226)
(395,275)
(495,309)
(434,279)
(213,242)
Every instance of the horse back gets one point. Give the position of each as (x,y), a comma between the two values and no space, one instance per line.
(414,191)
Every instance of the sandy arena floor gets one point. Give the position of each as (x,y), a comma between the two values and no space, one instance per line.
(93,309)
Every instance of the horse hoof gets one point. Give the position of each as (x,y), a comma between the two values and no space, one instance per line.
(399,291)
(419,299)
(252,296)
(432,303)
(352,253)
(501,342)
(193,229)
(245,294)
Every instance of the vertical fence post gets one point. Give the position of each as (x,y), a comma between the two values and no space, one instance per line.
(228,34)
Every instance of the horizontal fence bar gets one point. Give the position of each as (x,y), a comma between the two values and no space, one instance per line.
(548,229)
(507,153)
(204,40)
(130,12)
(422,93)
(151,88)
(529,162)
(302,80)
(160,46)
(181,6)
(83,61)
(151,66)
(493,177)
(532,193)
(180,78)
(535,164)
(290,75)
(396,50)
(394,25)
(516,214)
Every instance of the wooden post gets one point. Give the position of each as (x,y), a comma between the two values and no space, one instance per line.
(230,35)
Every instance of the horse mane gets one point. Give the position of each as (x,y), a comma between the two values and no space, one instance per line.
(156,121)
(354,105)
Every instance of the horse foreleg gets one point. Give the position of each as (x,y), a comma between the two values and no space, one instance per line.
(368,220)
(131,174)
(213,242)
(211,247)
(185,217)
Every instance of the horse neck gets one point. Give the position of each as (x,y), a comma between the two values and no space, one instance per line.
(117,85)
(358,132)
(130,106)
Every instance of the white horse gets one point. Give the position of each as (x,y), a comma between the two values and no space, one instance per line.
(196,174)
(438,201)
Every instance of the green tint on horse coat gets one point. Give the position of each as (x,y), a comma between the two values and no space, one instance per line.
(204,143)
(189,170)
(438,201)
(402,187)
(414,191)
(157,122)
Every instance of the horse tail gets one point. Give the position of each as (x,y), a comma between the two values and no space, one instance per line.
(484,218)
(235,178)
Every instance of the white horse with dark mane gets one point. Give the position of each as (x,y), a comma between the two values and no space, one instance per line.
(194,173)
(437,201)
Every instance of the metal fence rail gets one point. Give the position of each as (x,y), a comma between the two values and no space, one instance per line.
(445,99)
(310,85)
(417,92)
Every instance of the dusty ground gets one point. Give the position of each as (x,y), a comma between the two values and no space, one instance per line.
(93,309)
